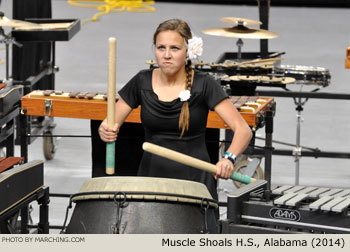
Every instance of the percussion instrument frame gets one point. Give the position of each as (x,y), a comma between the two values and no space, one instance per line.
(36,103)
(64,106)
(45,126)
(251,209)
(48,34)
(42,197)
(347,58)
(19,195)
(7,133)
(298,151)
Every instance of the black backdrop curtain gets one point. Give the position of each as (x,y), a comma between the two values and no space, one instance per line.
(33,57)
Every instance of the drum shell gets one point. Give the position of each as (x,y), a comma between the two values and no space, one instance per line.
(141,217)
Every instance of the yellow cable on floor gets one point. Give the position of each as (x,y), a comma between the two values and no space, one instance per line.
(107,6)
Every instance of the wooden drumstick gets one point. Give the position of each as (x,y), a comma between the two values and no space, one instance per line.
(111,96)
(191,161)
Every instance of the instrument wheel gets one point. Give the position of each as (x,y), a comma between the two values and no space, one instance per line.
(241,168)
(49,145)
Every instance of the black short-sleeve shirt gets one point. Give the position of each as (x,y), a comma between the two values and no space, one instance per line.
(161,123)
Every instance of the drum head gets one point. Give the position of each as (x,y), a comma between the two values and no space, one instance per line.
(145,188)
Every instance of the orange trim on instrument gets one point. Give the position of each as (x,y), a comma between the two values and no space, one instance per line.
(347,59)
(97,110)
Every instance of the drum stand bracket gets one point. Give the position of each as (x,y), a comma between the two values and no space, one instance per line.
(297,150)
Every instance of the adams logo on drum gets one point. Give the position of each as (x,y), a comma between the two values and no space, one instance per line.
(285,214)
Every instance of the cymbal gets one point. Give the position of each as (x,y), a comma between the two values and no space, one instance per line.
(226,65)
(250,78)
(4,21)
(241,21)
(200,64)
(241,31)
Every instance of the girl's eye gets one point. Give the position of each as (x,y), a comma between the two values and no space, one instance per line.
(175,48)
(160,47)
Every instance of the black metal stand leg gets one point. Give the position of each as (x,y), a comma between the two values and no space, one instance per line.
(43,226)
(3,227)
(9,142)
(24,220)
(23,121)
(264,6)
(268,147)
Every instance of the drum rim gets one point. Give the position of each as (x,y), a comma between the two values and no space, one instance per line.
(146,196)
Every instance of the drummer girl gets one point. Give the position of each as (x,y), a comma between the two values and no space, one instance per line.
(175,101)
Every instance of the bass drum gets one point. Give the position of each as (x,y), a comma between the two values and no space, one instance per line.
(142,205)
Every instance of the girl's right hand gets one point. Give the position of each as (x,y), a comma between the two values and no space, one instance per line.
(106,133)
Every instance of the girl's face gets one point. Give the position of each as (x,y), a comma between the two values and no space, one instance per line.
(170,52)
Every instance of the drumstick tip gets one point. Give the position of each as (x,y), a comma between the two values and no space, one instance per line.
(112,39)
(145,146)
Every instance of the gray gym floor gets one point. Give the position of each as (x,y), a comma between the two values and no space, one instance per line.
(308,36)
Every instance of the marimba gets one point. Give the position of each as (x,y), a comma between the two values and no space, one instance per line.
(94,106)
(288,209)
(255,110)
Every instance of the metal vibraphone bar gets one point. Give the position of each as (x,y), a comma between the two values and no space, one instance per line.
(287,209)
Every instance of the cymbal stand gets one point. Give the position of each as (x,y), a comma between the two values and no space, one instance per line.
(7,40)
(297,150)
(239,44)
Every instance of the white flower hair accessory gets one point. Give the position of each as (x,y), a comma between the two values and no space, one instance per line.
(194,48)
(184,95)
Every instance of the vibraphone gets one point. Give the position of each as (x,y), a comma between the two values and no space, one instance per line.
(93,106)
(287,209)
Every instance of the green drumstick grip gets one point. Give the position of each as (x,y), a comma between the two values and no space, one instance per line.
(241,178)
(110,158)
